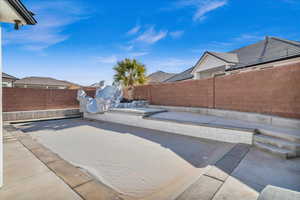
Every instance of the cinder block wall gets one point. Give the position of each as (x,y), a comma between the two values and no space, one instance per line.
(27,99)
(274,91)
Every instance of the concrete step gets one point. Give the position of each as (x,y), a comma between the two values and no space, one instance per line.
(292,136)
(284,153)
(280,143)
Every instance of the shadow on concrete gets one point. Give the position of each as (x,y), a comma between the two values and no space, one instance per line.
(198,152)
(255,169)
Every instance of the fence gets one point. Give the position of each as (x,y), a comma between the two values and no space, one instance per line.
(26,99)
(274,91)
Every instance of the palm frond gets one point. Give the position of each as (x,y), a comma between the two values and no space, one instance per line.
(129,73)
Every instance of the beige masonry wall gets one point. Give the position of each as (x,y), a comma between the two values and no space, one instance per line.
(274,91)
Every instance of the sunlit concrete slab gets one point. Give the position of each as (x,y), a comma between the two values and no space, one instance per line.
(217,173)
(246,117)
(21,166)
(136,162)
(181,125)
(138,111)
(45,155)
(235,189)
(276,193)
(44,186)
(225,122)
(26,177)
(259,169)
(93,191)
(204,188)
(69,173)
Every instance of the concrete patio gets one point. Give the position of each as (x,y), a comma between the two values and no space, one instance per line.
(223,170)
(26,177)
(33,172)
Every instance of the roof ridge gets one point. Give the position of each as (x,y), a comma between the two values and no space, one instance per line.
(8,75)
(292,42)
(265,48)
(217,56)
(179,73)
(159,71)
(38,77)
(221,52)
(233,51)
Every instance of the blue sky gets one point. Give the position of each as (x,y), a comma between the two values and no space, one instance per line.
(81,40)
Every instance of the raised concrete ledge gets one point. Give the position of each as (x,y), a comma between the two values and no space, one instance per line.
(138,111)
(276,193)
(231,127)
(193,130)
(40,114)
(244,116)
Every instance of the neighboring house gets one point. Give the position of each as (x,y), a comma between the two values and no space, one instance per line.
(44,82)
(159,76)
(95,85)
(8,80)
(98,85)
(72,86)
(270,52)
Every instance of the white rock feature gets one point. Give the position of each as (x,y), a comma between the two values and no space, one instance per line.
(105,99)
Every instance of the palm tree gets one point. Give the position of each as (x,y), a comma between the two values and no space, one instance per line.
(130,73)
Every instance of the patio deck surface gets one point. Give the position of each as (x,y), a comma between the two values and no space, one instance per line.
(26,177)
(148,164)
(133,161)
(188,117)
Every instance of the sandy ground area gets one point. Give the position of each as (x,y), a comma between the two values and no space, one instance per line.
(134,161)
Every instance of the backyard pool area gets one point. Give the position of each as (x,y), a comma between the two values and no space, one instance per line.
(140,163)
(133,161)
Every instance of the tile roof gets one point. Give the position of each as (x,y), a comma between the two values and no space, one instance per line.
(228,57)
(43,81)
(159,76)
(181,76)
(5,75)
(268,50)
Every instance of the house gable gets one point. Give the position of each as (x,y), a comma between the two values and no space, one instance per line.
(208,65)
(271,51)
(208,62)
(13,11)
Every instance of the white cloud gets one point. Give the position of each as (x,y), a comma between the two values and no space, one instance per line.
(207,7)
(151,36)
(52,18)
(134,30)
(113,59)
(229,44)
(127,47)
(107,59)
(248,37)
(176,34)
(138,54)
(174,65)
(202,6)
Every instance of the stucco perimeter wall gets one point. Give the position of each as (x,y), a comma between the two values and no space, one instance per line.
(41,114)
(27,99)
(218,134)
(197,93)
(274,91)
